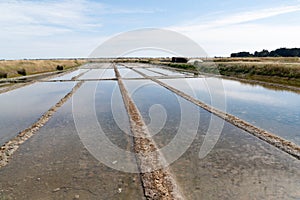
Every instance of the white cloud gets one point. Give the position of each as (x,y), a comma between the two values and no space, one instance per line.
(34,17)
(52,47)
(256,15)
(241,31)
(238,18)
(46,17)
(111,10)
(67,28)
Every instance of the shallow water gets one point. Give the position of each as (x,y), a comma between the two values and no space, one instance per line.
(70,75)
(128,73)
(147,72)
(97,66)
(55,164)
(161,108)
(166,71)
(66,157)
(240,166)
(276,111)
(98,74)
(24,106)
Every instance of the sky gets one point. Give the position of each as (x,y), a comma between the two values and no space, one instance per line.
(74,28)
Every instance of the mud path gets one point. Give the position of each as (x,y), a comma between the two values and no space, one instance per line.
(157,180)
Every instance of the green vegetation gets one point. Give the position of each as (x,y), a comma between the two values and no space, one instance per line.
(280,70)
(256,59)
(273,70)
(22,72)
(182,66)
(3,75)
(282,52)
(15,68)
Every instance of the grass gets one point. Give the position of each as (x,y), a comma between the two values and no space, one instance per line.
(258,59)
(182,66)
(10,68)
(276,70)
(280,70)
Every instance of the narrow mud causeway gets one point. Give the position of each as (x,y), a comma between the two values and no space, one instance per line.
(271,138)
(157,180)
(7,150)
(79,75)
(14,86)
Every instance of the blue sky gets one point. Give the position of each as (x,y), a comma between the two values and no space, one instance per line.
(51,29)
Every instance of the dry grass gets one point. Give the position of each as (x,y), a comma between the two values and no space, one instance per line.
(10,67)
(259,59)
(276,70)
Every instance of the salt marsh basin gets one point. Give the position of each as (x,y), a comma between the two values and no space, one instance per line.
(56,162)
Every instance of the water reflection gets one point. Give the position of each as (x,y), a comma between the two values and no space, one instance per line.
(98,74)
(147,72)
(70,75)
(272,110)
(54,164)
(166,71)
(128,73)
(22,107)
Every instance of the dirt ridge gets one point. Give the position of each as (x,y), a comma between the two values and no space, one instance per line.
(157,180)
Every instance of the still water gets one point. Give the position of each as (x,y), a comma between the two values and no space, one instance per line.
(55,163)
(277,111)
(147,72)
(239,166)
(128,73)
(98,74)
(166,71)
(70,75)
(24,106)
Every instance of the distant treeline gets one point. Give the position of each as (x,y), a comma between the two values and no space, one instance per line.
(282,52)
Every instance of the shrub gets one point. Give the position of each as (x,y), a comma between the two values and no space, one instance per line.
(183,66)
(3,75)
(59,67)
(22,72)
